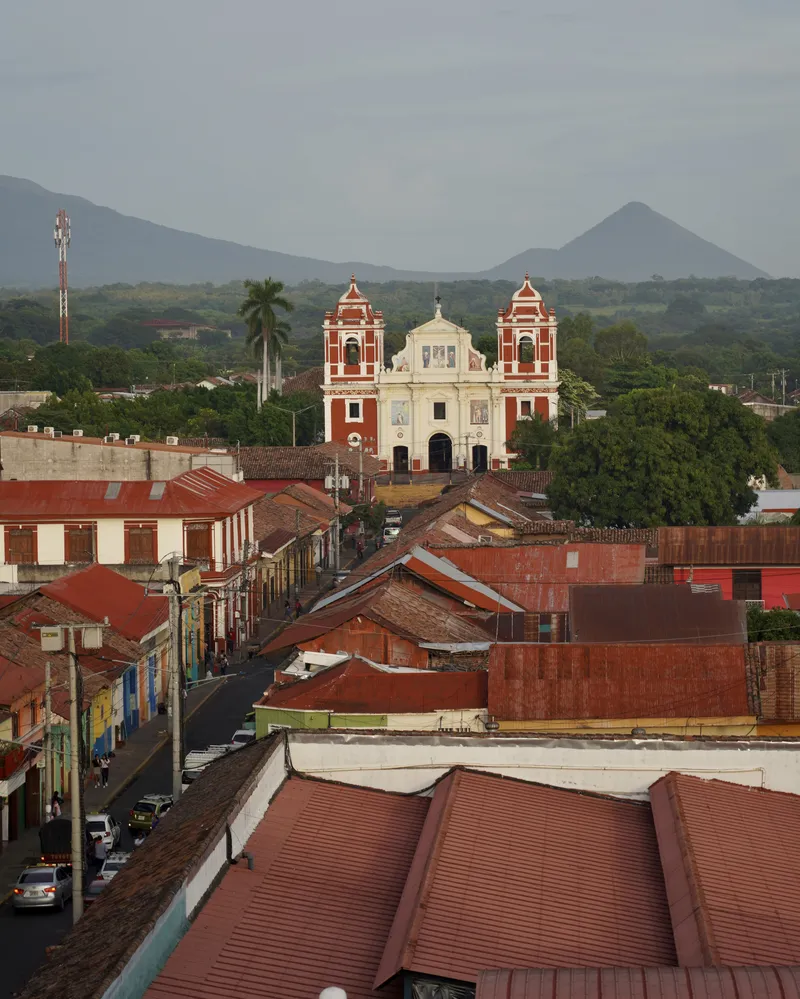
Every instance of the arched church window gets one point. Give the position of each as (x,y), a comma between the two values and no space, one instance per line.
(352,352)
(525,350)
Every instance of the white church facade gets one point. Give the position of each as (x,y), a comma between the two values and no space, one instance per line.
(437,407)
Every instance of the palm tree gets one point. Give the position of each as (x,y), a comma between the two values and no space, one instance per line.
(263,297)
(275,345)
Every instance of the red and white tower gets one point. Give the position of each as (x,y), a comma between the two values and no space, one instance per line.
(61,235)
(353,358)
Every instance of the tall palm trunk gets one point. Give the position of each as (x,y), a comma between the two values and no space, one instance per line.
(279,373)
(265,369)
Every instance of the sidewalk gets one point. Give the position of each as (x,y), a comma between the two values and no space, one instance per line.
(126,765)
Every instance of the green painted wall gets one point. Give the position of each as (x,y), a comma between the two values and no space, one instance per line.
(313,719)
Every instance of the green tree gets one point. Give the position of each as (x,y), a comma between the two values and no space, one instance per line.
(622,343)
(784,433)
(574,396)
(263,298)
(580,327)
(487,345)
(581,357)
(533,440)
(776,625)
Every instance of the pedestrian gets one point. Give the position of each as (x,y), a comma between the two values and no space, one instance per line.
(298,608)
(360,548)
(223,664)
(105,764)
(96,770)
(55,806)
(209,660)
(287,611)
(231,641)
(100,852)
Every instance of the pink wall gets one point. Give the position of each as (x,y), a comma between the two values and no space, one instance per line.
(775,581)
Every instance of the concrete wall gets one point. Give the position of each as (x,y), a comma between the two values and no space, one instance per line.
(15,400)
(38,457)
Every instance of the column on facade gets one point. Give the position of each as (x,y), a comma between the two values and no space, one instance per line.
(418,424)
(498,422)
(463,425)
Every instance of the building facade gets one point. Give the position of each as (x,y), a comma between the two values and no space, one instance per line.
(438,407)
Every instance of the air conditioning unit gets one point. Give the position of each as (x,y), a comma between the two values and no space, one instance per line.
(49,431)
(172,441)
(134,438)
(130,440)
(109,439)
(58,433)
(77,433)
(113,437)
(33,428)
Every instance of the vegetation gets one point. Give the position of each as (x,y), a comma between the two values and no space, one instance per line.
(776,625)
(258,309)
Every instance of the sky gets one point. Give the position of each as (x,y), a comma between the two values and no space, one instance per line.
(442,135)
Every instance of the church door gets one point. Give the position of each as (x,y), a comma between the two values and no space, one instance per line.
(440,453)
(480,458)
(400,459)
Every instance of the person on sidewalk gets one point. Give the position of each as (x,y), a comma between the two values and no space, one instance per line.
(360,549)
(96,770)
(209,661)
(100,852)
(55,806)
(298,608)
(105,766)
(231,641)
(287,611)
(223,664)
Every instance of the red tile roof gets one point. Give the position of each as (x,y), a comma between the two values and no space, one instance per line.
(99,592)
(640,983)
(538,576)
(514,874)
(312,462)
(551,682)
(525,481)
(311,499)
(655,613)
(732,870)
(269,516)
(201,492)
(332,893)
(359,687)
(391,605)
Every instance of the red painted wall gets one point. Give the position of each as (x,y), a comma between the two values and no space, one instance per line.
(372,641)
(775,581)
(541,405)
(367,426)
(511,415)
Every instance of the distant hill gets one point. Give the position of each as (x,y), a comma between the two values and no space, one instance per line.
(110,248)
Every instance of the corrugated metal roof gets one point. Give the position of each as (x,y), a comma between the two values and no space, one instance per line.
(200,492)
(516,874)
(525,481)
(331,862)
(357,686)
(767,545)
(528,682)
(269,516)
(640,983)
(655,613)
(732,870)
(538,577)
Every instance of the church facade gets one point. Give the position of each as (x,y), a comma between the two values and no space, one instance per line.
(438,406)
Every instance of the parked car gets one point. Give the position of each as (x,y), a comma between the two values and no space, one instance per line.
(95,889)
(146,809)
(106,827)
(390,534)
(197,760)
(393,518)
(47,886)
(113,864)
(242,737)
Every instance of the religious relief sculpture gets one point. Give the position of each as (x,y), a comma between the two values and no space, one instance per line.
(479,411)
(451,357)
(400,408)
(438,356)
(474,361)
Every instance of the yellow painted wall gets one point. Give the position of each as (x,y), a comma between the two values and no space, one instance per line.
(481,519)
(411,495)
(737,725)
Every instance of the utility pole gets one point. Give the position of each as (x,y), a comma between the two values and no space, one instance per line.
(48,743)
(176,693)
(772,376)
(75,790)
(294,429)
(336,508)
(62,236)
(783,386)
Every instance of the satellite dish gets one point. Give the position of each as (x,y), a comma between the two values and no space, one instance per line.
(333,992)
(353,440)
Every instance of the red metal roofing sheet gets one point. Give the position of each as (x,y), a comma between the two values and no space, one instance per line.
(732,870)
(640,983)
(538,576)
(533,681)
(515,874)
(772,544)
(358,687)
(99,592)
(330,865)
(199,493)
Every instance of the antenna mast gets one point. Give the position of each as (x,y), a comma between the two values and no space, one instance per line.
(62,235)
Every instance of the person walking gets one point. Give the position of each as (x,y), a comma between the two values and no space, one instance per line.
(298,608)
(223,664)
(287,611)
(360,548)
(100,852)
(55,806)
(231,641)
(105,765)
(96,770)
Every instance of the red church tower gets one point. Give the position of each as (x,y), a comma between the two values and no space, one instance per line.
(353,335)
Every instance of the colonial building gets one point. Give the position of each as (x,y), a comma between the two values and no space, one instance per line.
(438,406)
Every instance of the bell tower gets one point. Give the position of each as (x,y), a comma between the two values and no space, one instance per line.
(353,335)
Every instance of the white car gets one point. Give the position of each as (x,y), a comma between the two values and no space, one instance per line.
(390,534)
(242,737)
(113,864)
(106,827)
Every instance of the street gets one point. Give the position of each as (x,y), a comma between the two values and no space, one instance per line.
(24,936)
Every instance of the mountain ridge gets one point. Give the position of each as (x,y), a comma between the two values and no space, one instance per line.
(631,244)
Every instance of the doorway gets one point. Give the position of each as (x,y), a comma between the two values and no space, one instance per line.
(400,459)
(440,453)
(480,458)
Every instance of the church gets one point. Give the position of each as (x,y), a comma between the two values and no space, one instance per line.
(438,407)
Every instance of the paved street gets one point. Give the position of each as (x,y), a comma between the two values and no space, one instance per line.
(24,937)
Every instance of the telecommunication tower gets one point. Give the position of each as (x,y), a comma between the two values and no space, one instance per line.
(61,235)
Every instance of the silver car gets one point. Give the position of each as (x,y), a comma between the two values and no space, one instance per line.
(48,886)
(113,864)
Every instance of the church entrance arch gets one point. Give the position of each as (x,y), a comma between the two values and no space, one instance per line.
(480,458)
(400,458)
(440,453)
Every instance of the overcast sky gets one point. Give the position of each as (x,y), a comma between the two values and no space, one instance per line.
(438,135)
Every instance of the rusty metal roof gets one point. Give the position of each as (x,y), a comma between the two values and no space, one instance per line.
(658,613)
(640,983)
(533,681)
(732,870)
(513,873)
(331,862)
(538,577)
(360,687)
(773,544)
